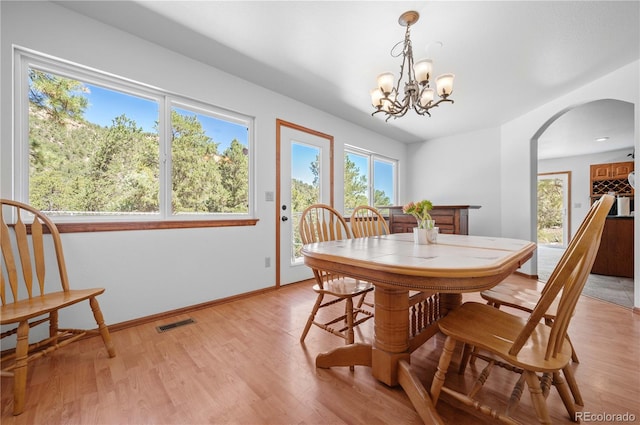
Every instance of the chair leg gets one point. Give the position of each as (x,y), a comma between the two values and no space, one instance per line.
(349,313)
(466,356)
(311,317)
(559,383)
(104,330)
(443,365)
(20,371)
(361,300)
(573,385)
(538,400)
(53,325)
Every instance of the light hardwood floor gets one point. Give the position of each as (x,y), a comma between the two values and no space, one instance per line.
(242,363)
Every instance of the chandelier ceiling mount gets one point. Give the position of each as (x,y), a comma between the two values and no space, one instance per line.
(419,94)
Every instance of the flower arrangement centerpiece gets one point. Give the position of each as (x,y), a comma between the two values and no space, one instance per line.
(420,210)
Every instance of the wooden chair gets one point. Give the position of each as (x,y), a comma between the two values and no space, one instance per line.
(320,223)
(525,345)
(30,296)
(525,296)
(367,221)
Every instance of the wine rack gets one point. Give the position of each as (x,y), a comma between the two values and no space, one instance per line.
(602,187)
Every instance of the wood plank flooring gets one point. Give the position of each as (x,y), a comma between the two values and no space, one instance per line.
(242,363)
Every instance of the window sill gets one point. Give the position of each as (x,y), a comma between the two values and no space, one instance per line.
(150,225)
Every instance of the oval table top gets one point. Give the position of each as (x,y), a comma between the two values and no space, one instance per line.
(456,263)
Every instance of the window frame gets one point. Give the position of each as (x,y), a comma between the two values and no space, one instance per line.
(165,219)
(372,158)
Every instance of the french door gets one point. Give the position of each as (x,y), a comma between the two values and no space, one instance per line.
(304,160)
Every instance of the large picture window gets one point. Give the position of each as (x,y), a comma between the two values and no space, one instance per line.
(369,179)
(94,147)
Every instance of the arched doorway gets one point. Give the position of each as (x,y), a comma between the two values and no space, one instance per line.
(601,131)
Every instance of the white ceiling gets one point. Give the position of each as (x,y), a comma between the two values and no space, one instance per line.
(509,57)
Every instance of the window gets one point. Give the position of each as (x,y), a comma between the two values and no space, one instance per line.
(94,147)
(369,179)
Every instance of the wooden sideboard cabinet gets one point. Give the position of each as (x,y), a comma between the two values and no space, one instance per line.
(452,219)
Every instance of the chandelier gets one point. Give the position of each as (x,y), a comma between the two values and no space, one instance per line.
(418,93)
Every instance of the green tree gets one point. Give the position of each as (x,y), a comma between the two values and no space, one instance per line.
(302,195)
(119,180)
(78,166)
(355,186)
(61,98)
(380,198)
(197,182)
(234,169)
(550,210)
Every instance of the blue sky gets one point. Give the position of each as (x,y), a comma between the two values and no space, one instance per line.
(105,105)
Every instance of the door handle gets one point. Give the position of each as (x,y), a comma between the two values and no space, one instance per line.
(285,218)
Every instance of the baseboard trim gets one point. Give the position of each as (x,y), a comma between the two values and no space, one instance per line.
(185,310)
(528,276)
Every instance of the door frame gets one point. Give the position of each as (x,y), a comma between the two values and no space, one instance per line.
(279,124)
(566,226)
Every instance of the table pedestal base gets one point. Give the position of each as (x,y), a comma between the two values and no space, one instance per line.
(349,355)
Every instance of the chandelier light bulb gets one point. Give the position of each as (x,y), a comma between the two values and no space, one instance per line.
(376,97)
(444,83)
(385,82)
(427,96)
(423,70)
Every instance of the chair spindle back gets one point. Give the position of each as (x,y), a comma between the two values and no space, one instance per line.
(24,257)
(321,223)
(569,276)
(367,221)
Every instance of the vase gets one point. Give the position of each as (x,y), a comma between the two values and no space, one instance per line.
(426,224)
(432,235)
(420,236)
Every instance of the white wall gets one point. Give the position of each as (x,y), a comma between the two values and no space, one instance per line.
(579,166)
(149,272)
(519,157)
(459,170)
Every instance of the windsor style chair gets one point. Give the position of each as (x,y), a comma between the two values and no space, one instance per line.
(30,243)
(539,352)
(320,223)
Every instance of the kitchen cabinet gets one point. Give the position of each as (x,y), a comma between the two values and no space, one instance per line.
(611,177)
(615,255)
(600,171)
(611,171)
(451,219)
(621,170)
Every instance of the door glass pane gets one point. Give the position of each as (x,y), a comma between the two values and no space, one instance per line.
(305,188)
(550,211)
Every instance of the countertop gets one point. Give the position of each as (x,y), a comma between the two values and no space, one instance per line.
(619,217)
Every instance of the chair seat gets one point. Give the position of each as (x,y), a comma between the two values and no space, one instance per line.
(344,287)
(495,330)
(520,295)
(43,304)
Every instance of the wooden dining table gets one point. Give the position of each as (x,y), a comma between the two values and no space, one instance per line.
(437,274)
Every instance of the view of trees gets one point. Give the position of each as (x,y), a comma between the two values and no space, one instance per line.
(550,211)
(80,167)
